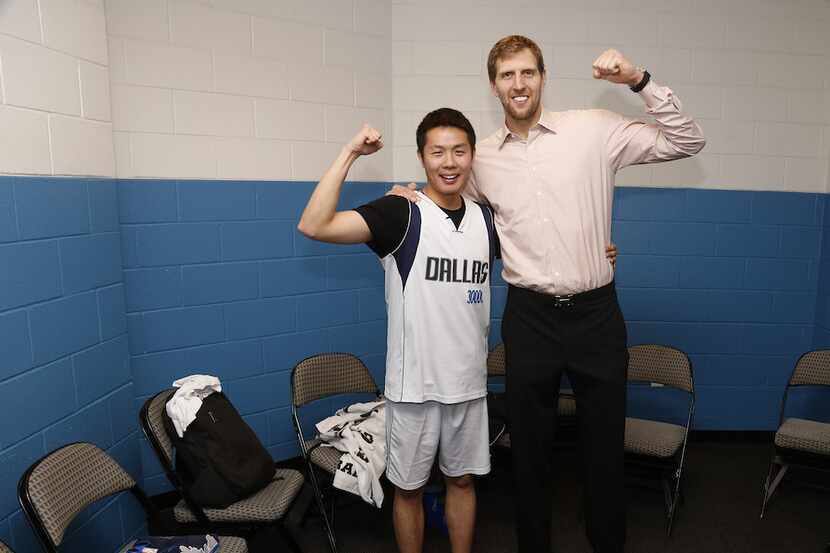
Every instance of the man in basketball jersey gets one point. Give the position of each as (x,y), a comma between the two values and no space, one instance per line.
(438,257)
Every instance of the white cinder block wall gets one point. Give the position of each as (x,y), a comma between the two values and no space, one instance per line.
(247,89)
(756,73)
(269,89)
(54,88)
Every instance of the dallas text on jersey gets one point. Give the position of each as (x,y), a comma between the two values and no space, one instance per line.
(444,269)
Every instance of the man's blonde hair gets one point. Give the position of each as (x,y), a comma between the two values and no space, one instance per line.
(509,46)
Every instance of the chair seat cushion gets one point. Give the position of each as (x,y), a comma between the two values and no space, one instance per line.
(565,408)
(652,438)
(327,458)
(227,544)
(267,505)
(804,435)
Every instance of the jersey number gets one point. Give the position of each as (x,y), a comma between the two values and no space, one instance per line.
(475,296)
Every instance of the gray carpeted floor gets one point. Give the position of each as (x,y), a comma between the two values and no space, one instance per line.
(719,515)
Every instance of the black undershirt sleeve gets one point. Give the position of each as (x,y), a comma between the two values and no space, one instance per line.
(387,218)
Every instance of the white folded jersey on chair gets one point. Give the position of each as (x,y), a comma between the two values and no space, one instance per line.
(359,431)
(186,402)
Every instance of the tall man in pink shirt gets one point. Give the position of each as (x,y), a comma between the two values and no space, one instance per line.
(549,177)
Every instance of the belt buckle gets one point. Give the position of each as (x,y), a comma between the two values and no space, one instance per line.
(563,301)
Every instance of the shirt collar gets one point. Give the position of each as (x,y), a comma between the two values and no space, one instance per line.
(547,121)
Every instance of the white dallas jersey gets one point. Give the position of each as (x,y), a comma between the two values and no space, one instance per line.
(438,301)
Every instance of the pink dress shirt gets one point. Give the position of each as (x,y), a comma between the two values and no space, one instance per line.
(552,193)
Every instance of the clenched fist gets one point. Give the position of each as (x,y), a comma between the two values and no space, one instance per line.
(612,66)
(367,141)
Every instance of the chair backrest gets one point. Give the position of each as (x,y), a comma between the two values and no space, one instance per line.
(660,364)
(329,374)
(5,548)
(812,369)
(55,489)
(153,426)
(495,361)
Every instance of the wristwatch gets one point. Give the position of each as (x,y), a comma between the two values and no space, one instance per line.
(643,82)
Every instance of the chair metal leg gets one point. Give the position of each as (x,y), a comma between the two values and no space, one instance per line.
(332,521)
(669,501)
(667,496)
(772,483)
(318,494)
(670,524)
(677,499)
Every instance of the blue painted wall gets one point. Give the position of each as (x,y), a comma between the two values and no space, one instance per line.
(64,360)
(822,320)
(729,277)
(810,402)
(217,279)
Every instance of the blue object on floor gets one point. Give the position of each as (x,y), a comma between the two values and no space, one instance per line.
(176,544)
(434,508)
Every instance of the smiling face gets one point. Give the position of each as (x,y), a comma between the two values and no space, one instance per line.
(447,157)
(518,85)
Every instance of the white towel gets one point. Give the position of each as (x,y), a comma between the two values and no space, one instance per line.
(187,400)
(359,431)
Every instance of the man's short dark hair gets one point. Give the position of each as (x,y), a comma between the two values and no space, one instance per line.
(444,117)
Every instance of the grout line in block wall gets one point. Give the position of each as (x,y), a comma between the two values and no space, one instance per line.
(81,90)
(56,50)
(40,22)
(89,207)
(169,21)
(60,267)
(51,153)
(16,215)
(259,280)
(251,33)
(179,206)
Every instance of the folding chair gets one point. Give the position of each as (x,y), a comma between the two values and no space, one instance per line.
(318,377)
(496,404)
(659,445)
(264,508)
(800,443)
(497,407)
(55,489)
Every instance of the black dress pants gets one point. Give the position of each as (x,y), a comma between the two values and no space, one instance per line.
(586,339)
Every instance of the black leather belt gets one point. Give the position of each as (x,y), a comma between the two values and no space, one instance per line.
(566,301)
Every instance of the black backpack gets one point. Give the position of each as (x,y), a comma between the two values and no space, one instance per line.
(220,460)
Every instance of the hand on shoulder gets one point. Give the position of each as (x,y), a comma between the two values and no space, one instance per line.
(410,191)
